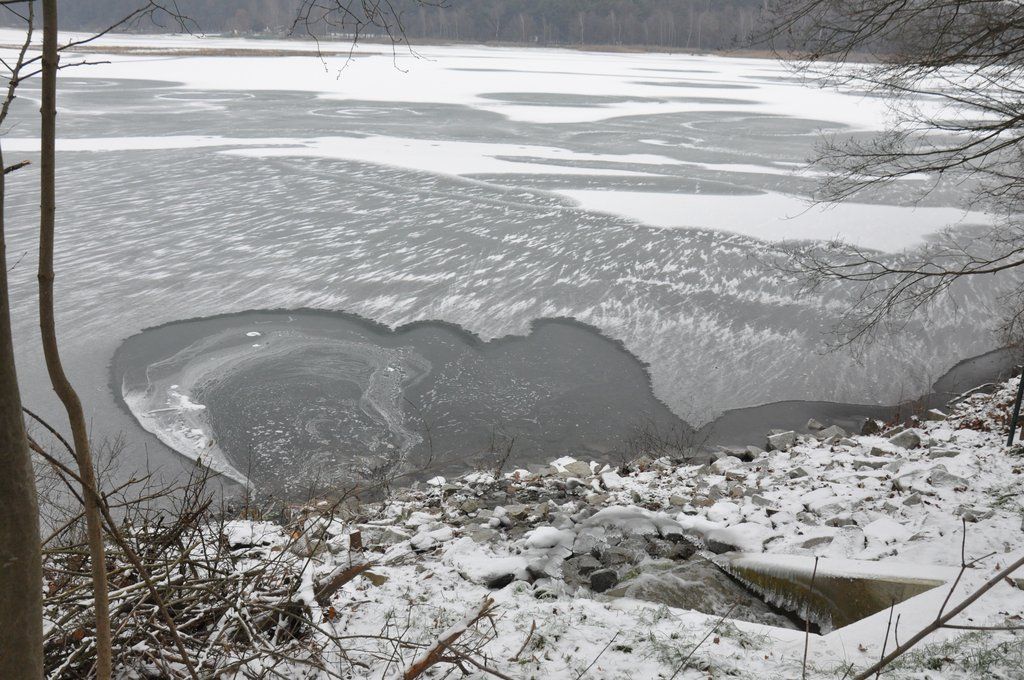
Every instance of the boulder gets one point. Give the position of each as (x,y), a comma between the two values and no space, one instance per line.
(725,463)
(517,511)
(736,475)
(830,432)
(617,555)
(577,469)
(974,514)
(603,579)
(590,540)
(935,415)
(816,541)
(871,463)
(583,564)
(611,481)
(673,550)
(942,478)
(744,537)
(871,427)
(499,582)
(798,472)
(482,534)
(782,441)
(813,424)
(907,439)
(942,453)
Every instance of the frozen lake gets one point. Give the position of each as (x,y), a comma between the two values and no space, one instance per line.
(484,187)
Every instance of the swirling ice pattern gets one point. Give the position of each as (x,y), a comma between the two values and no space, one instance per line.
(228,367)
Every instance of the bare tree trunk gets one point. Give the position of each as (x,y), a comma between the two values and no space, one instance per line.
(21,584)
(47,325)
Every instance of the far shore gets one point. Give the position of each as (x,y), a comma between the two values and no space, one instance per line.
(315,51)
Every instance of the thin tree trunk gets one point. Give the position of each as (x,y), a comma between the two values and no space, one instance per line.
(21,576)
(47,325)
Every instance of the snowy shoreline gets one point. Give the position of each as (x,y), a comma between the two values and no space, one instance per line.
(570,552)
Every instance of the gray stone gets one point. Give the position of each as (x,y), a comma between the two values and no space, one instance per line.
(584,564)
(676,501)
(670,549)
(603,579)
(832,431)
(813,424)
(499,582)
(482,534)
(974,514)
(816,541)
(618,556)
(718,547)
(942,453)
(589,541)
(754,452)
(912,499)
(940,477)
(871,427)
(907,439)
(390,536)
(736,475)
(797,473)
(469,506)
(935,415)
(577,469)
(841,521)
(872,463)
(725,463)
(517,511)
(783,441)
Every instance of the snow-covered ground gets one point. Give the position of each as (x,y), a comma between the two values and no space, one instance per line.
(555,546)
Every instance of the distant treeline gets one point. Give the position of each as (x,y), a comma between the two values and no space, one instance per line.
(675,24)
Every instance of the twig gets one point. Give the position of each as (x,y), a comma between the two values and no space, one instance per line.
(603,650)
(529,636)
(435,653)
(885,642)
(473,662)
(682,664)
(17,166)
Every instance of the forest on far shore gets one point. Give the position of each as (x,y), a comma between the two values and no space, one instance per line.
(674,24)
